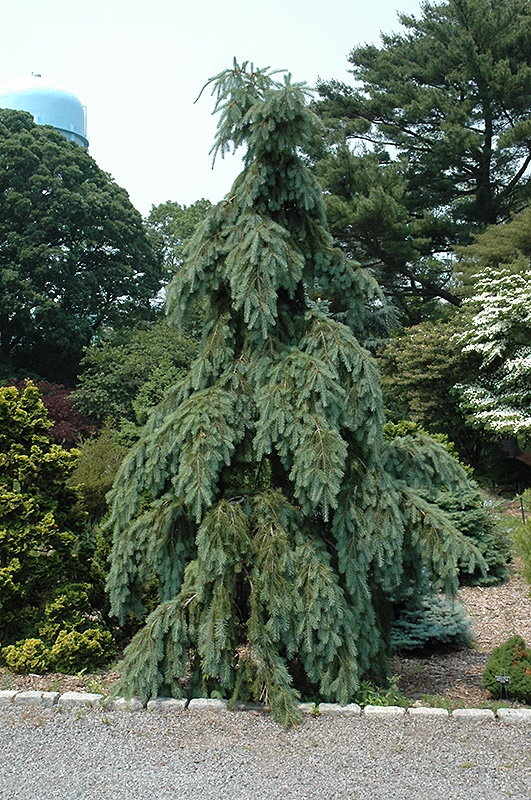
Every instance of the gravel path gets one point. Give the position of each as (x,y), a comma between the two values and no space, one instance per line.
(97,754)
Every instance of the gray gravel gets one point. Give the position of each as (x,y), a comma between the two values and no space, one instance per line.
(98,754)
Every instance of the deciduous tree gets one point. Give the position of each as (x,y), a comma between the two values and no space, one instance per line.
(498,400)
(73,253)
(115,369)
(170,226)
(419,370)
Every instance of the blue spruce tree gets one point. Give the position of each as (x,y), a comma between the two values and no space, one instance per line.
(278,523)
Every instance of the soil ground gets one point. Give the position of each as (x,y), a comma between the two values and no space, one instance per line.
(497,612)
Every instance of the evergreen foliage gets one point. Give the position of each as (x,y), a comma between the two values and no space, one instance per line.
(434,622)
(506,245)
(512,659)
(431,142)
(30,655)
(380,222)
(45,551)
(472,514)
(475,517)
(40,524)
(261,495)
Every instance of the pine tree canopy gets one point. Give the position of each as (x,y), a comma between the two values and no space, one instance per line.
(430,142)
(277,523)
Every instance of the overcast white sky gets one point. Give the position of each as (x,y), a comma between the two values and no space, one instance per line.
(138,65)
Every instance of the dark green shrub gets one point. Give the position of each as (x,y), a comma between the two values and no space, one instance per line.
(98,462)
(474,517)
(114,371)
(514,660)
(434,621)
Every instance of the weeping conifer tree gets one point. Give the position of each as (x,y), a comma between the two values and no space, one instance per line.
(278,524)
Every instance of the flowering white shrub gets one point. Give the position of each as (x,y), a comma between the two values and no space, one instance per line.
(500,333)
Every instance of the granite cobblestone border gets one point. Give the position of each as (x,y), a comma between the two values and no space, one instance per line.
(168,705)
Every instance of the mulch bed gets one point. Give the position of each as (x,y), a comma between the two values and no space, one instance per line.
(497,613)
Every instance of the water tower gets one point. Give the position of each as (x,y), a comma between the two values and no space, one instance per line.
(49,103)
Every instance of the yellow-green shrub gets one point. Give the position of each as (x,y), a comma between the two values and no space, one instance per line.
(29,655)
(49,585)
(87,650)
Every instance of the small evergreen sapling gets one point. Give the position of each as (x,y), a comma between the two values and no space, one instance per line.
(262,495)
(512,659)
(431,621)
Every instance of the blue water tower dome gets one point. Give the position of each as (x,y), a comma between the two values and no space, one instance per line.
(49,103)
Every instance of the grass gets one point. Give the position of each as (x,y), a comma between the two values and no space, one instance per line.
(441,701)
(370,695)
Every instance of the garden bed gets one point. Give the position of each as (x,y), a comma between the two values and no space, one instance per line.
(497,613)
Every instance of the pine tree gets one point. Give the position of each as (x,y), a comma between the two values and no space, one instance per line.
(261,496)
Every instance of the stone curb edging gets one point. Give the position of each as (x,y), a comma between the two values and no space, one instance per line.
(81,700)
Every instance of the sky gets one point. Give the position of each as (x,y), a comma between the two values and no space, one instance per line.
(139,65)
